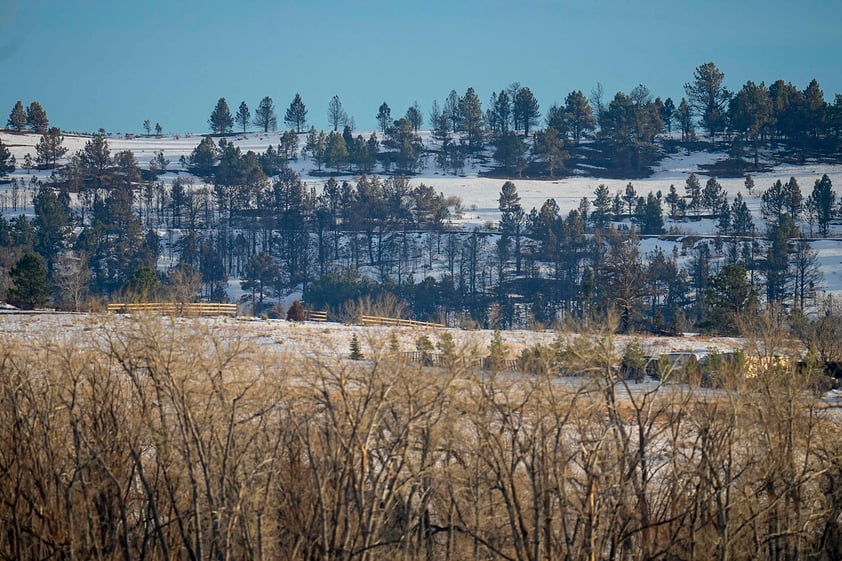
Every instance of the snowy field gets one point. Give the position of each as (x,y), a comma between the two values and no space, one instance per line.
(479,194)
(318,340)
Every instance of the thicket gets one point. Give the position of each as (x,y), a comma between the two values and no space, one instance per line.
(141,441)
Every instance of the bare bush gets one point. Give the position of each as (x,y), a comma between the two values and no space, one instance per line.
(147,441)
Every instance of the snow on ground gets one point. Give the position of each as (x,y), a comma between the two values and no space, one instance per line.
(480,195)
(326,340)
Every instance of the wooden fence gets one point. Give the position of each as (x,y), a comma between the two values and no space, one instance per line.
(311,315)
(175,308)
(397,322)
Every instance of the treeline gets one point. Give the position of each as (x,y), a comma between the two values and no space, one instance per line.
(621,130)
(386,239)
(140,441)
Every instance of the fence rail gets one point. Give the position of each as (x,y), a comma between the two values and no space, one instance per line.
(310,315)
(175,308)
(397,322)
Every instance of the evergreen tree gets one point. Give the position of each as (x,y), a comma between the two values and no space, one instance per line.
(356,350)
(630,196)
(158,129)
(29,283)
(512,218)
(742,223)
(673,201)
(510,152)
(17,118)
(693,189)
(499,113)
(471,118)
(7,161)
(414,116)
(221,121)
(549,147)
(526,110)
(749,183)
(823,199)
(709,97)
(578,115)
(651,216)
(296,114)
(728,297)
(452,111)
(384,117)
(793,199)
(243,116)
(815,109)
(751,114)
(602,206)
(712,195)
(685,120)
(773,203)
(50,148)
(147,126)
(36,118)
(95,160)
(142,285)
(260,272)
(497,350)
(203,158)
(264,115)
(668,112)
(52,222)
(336,155)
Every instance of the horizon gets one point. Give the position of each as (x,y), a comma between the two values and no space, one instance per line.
(170,62)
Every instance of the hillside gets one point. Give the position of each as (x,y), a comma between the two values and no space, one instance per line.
(475,194)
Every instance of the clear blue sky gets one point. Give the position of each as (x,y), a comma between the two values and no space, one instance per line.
(114,63)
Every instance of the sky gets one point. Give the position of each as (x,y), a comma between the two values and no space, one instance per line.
(112,64)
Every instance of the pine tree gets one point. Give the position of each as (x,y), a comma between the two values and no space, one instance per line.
(685,120)
(52,222)
(749,183)
(549,146)
(793,199)
(742,223)
(512,217)
(36,118)
(712,195)
(694,192)
(356,351)
(526,110)
(471,118)
(7,161)
(602,206)
(264,115)
(158,129)
(17,118)
(243,116)
(414,116)
(296,115)
(29,283)
(220,120)
(824,201)
(708,96)
(578,115)
(384,117)
(49,149)
(452,111)
(497,350)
